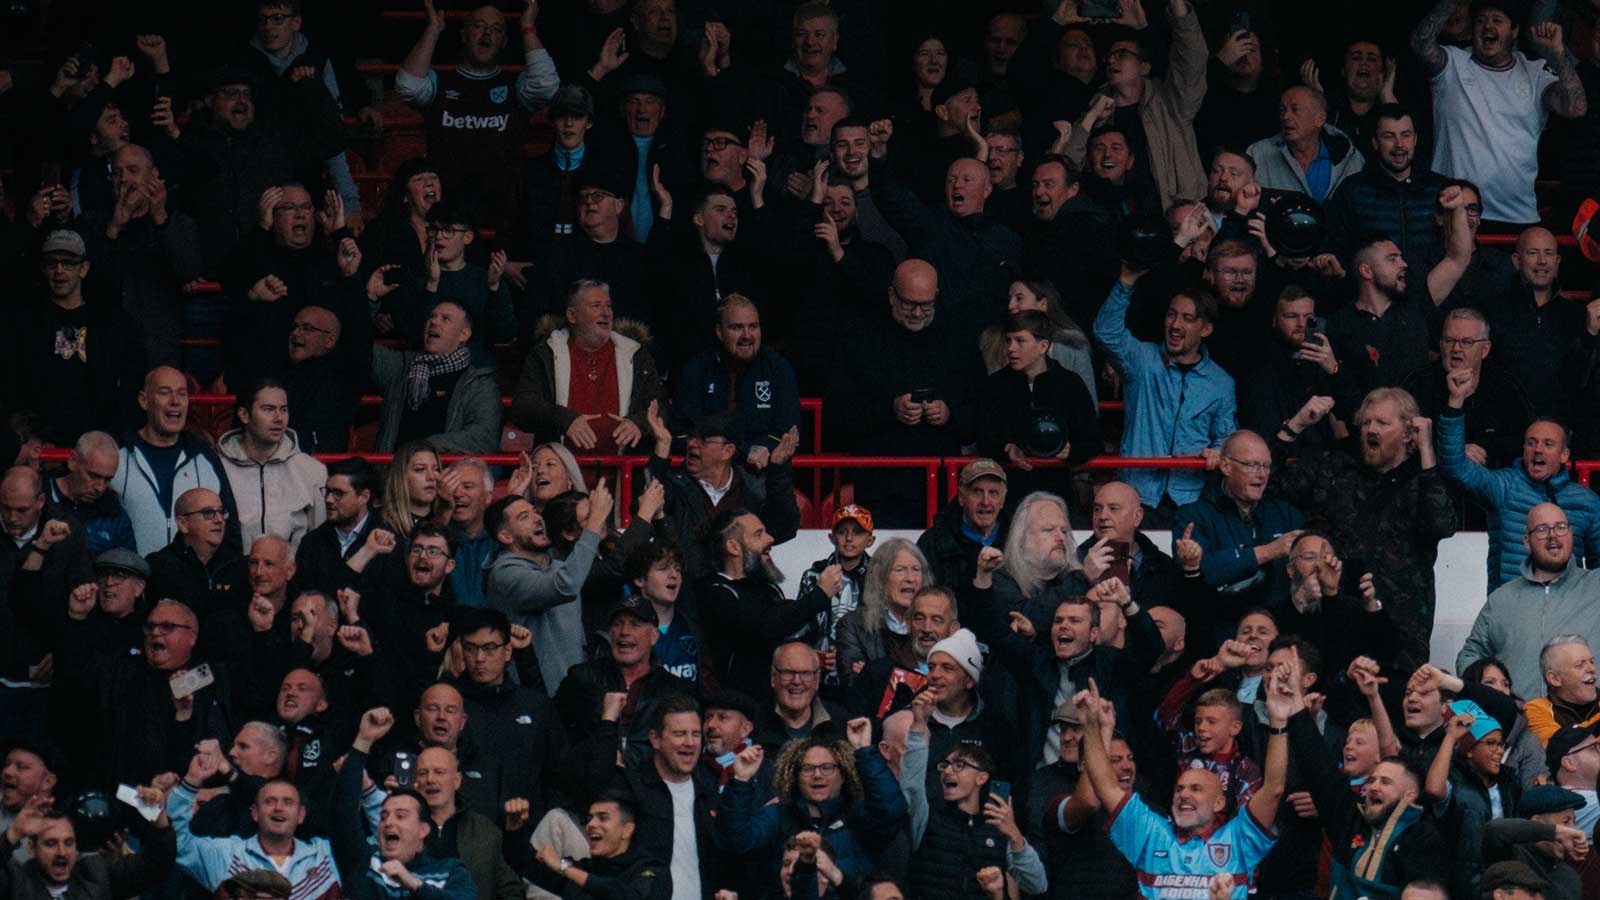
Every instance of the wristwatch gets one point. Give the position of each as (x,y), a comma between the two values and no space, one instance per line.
(1272,730)
(566,864)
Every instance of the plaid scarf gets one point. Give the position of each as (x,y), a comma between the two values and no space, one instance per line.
(425,366)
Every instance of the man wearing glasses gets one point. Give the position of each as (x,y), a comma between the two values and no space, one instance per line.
(509,719)
(482,292)
(1573,755)
(797,711)
(201,567)
(1245,534)
(1553,595)
(1508,494)
(146,731)
(1494,408)
(904,386)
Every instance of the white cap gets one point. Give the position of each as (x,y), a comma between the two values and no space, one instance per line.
(963,648)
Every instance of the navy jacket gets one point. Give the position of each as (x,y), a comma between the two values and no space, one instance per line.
(1229,540)
(764,398)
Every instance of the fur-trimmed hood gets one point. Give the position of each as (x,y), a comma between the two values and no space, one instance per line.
(628,328)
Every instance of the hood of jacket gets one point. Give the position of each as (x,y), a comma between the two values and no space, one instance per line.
(231,448)
(629,328)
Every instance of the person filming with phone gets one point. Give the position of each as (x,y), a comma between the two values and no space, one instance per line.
(971,827)
(1295,366)
(903,385)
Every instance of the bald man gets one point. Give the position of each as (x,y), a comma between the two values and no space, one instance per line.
(1244,534)
(1553,596)
(45,557)
(1307,154)
(200,567)
(162,461)
(972,251)
(903,385)
(1536,330)
(327,372)
(1117,549)
(155,249)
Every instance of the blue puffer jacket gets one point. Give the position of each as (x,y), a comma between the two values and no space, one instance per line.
(1508,494)
(1171,410)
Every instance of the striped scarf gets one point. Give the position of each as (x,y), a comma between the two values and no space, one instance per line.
(427,365)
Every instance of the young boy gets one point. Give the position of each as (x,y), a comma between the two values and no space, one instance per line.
(655,572)
(851,536)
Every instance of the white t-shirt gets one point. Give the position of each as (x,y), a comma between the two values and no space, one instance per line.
(685,849)
(1486,129)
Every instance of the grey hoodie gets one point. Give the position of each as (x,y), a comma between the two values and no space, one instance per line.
(543,598)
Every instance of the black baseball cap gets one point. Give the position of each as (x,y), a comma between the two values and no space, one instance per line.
(636,606)
(1565,740)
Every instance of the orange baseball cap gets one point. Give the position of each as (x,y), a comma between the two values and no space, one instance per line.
(858,514)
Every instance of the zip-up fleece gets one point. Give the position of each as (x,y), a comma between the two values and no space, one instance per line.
(282,496)
(198,467)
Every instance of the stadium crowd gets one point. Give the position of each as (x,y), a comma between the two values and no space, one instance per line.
(1318,246)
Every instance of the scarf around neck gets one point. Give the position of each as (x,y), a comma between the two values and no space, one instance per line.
(427,365)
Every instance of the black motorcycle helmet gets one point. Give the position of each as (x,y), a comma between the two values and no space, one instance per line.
(1294,226)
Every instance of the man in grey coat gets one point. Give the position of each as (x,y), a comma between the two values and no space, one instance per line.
(538,591)
(1553,596)
(438,395)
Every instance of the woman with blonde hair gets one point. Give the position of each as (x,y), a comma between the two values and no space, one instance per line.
(881,625)
(412,490)
(547,472)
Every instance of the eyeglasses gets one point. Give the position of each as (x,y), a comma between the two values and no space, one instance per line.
(336,493)
(915,308)
(274,19)
(470,649)
(595,196)
(1251,466)
(1463,343)
(801,675)
(58,263)
(818,768)
(1543,531)
(1585,747)
(719,144)
(1122,53)
(165,627)
(210,513)
(429,551)
(307,326)
(448,229)
(960,765)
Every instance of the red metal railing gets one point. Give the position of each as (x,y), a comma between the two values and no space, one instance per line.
(1584,470)
(931,467)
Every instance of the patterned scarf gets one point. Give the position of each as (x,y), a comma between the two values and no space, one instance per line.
(427,365)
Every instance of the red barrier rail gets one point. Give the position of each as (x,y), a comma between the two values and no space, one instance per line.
(1584,470)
